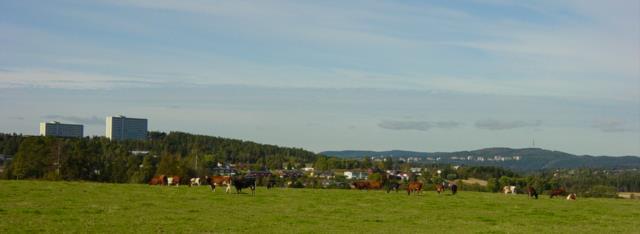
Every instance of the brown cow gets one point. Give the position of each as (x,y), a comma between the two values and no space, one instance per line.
(155,181)
(367,184)
(158,180)
(532,192)
(214,181)
(439,188)
(557,192)
(360,185)
(374,184)
(414,187)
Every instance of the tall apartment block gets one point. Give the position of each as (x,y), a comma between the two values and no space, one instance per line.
(123,128)
(61,130)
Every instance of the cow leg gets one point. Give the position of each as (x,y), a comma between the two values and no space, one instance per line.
(228,188)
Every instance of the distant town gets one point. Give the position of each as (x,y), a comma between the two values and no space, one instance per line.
(459,158)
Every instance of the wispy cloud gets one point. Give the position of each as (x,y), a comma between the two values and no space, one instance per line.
(93,120)
(70,80)
(612,125)
(417,125)
(492,124)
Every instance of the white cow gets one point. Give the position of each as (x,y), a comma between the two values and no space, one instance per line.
(195,181)
(571,197)
(509,189)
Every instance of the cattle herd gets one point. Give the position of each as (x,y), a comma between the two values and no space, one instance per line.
(239,182)
(415,187)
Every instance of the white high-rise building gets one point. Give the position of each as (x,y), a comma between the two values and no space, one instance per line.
(123,128)
(61,130)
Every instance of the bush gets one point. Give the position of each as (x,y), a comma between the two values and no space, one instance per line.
(375,176)
(472,187)
(601,191)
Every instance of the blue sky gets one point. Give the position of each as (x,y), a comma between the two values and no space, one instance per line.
(328,75)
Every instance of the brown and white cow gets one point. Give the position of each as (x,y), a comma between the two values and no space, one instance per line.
(195,181)
(173,180)
(571,197)
(214,181)
(509,189)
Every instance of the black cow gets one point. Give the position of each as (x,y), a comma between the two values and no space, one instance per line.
(271,183)
(392,185)
(245,182)
(454,189)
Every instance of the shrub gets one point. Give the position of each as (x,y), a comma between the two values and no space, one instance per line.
(472,187)
(601,191)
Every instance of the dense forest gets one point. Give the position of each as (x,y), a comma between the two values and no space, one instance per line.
(187,155)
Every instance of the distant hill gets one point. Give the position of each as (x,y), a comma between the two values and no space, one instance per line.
(516,159)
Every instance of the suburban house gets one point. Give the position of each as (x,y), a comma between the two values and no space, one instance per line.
(356,175)
(325,174)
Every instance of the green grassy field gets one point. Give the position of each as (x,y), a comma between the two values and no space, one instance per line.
(38,206)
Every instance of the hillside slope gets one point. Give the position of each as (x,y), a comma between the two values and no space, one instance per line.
(526,159)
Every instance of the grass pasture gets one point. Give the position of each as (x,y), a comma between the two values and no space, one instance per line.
(54,207)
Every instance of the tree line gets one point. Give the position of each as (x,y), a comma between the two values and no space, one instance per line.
(188,155)
(103,160)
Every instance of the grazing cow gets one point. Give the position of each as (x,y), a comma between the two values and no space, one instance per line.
(571,197)
(509,189)
(271,183)
(557,192)
(454,188)
(393,186)
(194,181)
(532,192)
(366,184)
(360,185)
(374,184)
(245,182)
(414,187)
(214,181)
(158,180)
(173,180)
(439,188)
(155,181)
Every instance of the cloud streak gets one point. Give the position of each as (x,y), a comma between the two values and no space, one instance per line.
(611,125)
(492,124)
(93,120)
(417,125)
